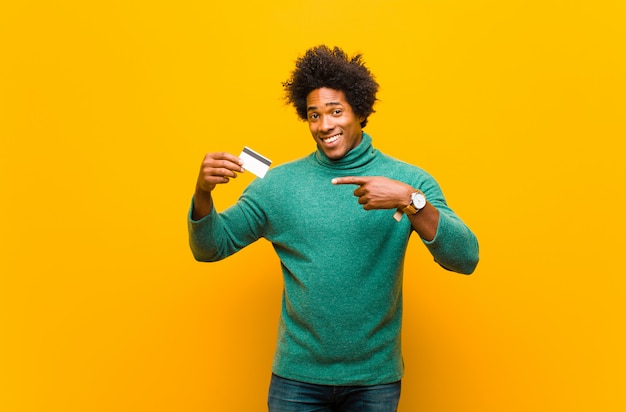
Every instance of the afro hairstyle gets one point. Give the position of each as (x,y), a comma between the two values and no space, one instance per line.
(322,66)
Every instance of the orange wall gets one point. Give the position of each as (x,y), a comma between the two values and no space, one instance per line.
(106,109)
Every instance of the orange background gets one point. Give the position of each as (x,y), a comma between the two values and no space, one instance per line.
(106,109)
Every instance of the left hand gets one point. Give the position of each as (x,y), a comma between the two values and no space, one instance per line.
(377,192)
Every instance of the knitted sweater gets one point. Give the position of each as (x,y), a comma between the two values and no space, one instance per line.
(342,265)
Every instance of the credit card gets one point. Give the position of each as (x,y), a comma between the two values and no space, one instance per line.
(255,162)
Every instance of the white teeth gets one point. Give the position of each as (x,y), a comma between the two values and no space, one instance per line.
(331,138)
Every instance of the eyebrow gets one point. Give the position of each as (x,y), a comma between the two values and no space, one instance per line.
(308,109)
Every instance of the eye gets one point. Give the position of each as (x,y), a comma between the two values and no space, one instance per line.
(337,112)
(314,116)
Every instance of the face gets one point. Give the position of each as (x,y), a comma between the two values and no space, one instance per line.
(335,128)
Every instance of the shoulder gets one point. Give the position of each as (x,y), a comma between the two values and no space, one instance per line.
(402,167)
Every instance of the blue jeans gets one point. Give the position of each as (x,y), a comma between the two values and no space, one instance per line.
(292,396)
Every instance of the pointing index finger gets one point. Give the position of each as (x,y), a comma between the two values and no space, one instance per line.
(350,180)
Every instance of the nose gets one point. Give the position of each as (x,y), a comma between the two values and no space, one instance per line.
(327,123)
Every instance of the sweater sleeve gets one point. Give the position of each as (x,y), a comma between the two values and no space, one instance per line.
(454,246)
(219,235)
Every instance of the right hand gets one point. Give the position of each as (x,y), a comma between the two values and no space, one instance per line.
(218,168)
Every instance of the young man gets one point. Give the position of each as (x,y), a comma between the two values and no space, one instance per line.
(339,220)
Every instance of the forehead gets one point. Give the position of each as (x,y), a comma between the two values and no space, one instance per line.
(325,96)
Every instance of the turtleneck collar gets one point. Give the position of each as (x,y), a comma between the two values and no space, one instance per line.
(357,157)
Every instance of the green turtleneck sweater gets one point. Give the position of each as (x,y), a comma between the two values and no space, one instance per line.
(342,265)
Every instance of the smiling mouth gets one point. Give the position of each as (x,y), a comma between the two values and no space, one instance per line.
(331,139)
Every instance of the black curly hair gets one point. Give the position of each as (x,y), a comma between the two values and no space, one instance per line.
(322,66)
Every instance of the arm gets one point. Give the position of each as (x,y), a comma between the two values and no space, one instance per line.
(449,240)
(206,230)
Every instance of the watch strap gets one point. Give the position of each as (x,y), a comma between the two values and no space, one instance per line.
(410,209)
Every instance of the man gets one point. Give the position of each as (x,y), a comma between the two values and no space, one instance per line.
(330,217)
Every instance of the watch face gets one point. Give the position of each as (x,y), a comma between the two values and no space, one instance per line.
(419,200)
